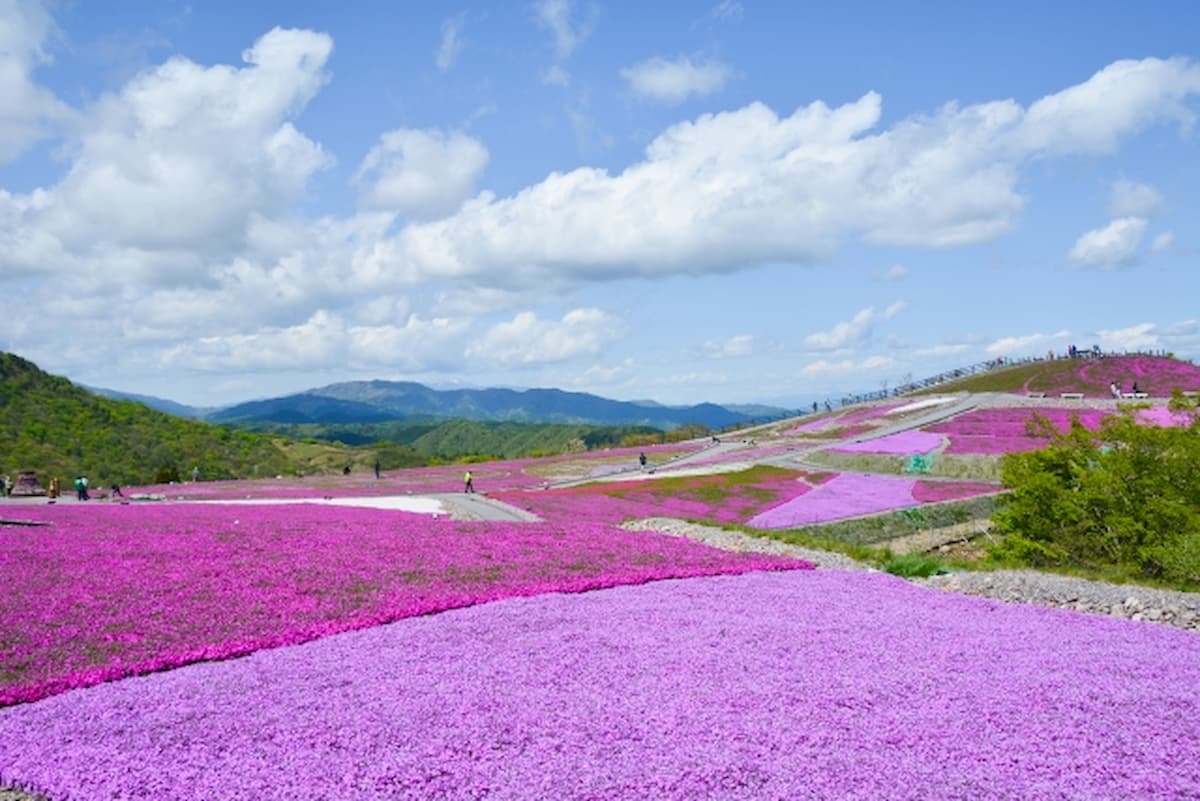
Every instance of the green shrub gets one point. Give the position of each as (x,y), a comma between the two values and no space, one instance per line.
(1126,497)
(913,564)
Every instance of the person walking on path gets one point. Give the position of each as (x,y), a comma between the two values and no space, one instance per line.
(376,469)
(642,459)
(468,483)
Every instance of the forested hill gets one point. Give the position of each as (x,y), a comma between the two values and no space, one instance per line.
(52,427)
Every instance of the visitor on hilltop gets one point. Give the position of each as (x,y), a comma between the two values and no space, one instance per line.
(7,487)
(1115,389)
(376,469)
(196,473)
(642,459)
(468,483)
(54,489)
(346,470)
(116,491)
(1134,388)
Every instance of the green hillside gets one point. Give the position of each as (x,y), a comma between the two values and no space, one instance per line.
(1155,375)
(51,427)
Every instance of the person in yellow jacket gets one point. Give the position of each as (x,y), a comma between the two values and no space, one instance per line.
(468,483)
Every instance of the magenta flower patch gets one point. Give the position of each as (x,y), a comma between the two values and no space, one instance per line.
(795,685)
(904,443)
(1005,430)
(844,495)
(111,591)
(937,491)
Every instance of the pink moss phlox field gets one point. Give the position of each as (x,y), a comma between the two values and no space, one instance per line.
(1155,375)
(813,685)
(1003,430)
(904,443)
(844,495)
(110,591)
(937,491)
(706,498)
(1164,417)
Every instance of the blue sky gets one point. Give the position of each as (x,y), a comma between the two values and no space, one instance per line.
(724,201)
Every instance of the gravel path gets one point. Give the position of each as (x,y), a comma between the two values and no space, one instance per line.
(1179,609)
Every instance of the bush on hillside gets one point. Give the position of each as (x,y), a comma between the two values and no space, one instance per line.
(1126,497)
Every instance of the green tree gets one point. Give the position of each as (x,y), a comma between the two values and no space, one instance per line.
(1126,497)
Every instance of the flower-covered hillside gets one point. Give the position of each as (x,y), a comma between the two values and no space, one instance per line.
(1156,376)
(110,590)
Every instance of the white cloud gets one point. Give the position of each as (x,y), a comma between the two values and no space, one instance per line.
(183,159)
(747,186)
(555,16)
(1110,247)
(1143,336)
(1119,100)
(424,174)
(854,332)
(1163,241)
(528,339)
(451,42)
(28,112)
(1130,199)
(896,272)
(1035,344)
(823,368)
(673,81)
(326,340)
(733,347)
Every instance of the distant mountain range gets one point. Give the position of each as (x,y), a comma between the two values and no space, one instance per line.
(378,401)
(383,401)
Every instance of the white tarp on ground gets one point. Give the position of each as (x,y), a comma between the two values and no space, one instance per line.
(402,503)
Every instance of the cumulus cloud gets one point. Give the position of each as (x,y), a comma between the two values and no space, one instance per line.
(854,332)
(1029,343)
(732,347)
(748,186)
(182,160)
(1131,199)
(896,272)
(451,41)
(528,339)
(1110,247)
(673,82)
(424,174)
(327,340)
(1119,100)
(28,112)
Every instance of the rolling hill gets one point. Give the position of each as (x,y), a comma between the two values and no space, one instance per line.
(52,427)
